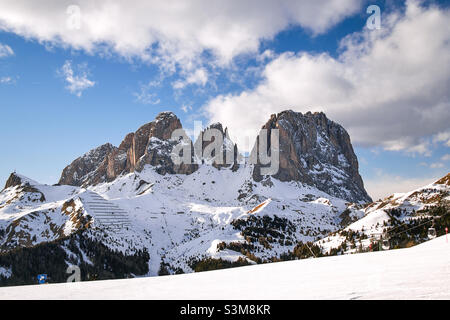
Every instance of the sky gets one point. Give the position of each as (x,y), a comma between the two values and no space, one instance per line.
(77,74)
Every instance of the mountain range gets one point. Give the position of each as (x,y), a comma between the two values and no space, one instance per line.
(132,211)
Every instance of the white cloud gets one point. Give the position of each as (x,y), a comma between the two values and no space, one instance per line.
(384,185)
(173,32)
(198,77)
(436,165)
(407,144)
(388,87)
(77,81)
(266,55)
(382,188)
(186,108)
(443,137)
(5,51)
(7,80)
(145,95)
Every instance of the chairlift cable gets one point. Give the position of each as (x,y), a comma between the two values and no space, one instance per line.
(433,218)
(404,224)
(311,250)
(432,221)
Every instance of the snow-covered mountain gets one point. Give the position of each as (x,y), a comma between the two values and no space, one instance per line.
(179,219)
(313,150)
(394,217)
(130,211)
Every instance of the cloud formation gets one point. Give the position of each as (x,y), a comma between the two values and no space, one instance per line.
(384,184)
(146,94)
(388,87)
(198,77)
(7,80)
(76,80)
(170,33)
(5,50)
(443,137)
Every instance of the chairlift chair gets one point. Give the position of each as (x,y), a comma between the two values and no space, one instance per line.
(431,233)
(385,243)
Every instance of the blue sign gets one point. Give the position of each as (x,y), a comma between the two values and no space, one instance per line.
(42,278)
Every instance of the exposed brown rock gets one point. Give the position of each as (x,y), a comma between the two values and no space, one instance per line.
(315,151)
(227,144)
(13,180)
(445,180)
(25,188)
(106,163)
(85,166)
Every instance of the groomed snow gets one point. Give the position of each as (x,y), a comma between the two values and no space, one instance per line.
(421,272)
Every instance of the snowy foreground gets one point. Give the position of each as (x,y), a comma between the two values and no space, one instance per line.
(421,272)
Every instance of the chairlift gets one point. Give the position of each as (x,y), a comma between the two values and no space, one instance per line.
(431,233)
(385,243)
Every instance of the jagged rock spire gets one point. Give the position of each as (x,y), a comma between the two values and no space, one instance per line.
(136,150)
(230,153)
(313,150)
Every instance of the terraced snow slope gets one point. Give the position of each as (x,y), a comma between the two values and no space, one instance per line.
(108,215)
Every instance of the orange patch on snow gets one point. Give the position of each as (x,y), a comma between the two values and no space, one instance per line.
(259,206)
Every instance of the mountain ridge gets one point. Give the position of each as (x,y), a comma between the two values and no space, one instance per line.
(313,150)
(214,216)
(183,220)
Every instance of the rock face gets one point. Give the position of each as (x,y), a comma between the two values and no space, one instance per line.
(82,169)
(13,180)
(313,150)
(316,151)
(227,146)
(444,180)
(158,155)
(24,186)
(150,144)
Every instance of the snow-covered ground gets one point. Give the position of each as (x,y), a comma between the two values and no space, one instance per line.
(177,218)
(421,272)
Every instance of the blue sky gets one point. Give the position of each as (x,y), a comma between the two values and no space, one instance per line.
(65,91)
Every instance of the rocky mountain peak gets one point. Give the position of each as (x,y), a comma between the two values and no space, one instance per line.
(313,150)
(163,125)
(230,153)
(148,145)
(13,180)
(217,126)
(24,185)
(81,168)
(444,180)
(318,152)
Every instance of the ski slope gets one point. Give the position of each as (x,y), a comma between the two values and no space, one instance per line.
(421,272)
